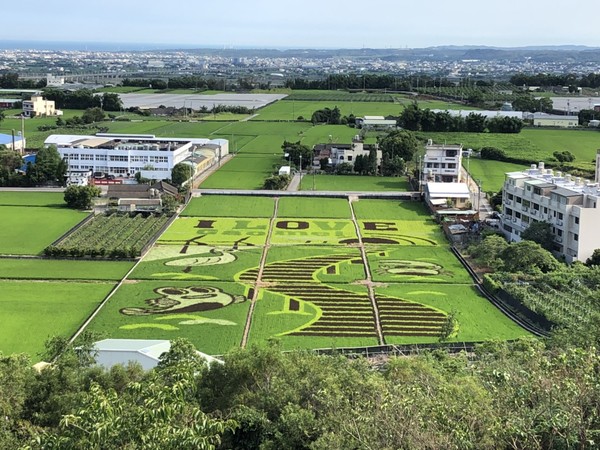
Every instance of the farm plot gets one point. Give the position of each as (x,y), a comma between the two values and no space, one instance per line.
(62,269)
(354,183)
(416,264)
(196,262)
(300,231)
(308,207)
(210,314)
(391,209)
(27,230)
(476,318)
(114,235)
(305,263)
(229,206)
(400,232)
(241,232)
(31,312)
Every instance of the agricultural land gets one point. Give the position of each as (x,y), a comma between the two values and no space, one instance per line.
(310,273)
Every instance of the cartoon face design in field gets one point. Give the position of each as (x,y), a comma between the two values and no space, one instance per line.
(185,300)
(202,255)
(405,267)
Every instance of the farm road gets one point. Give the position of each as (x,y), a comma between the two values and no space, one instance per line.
(258,281)
(369,280)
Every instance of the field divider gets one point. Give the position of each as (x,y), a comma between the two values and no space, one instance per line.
(257,283)
(94,313)
(369,280)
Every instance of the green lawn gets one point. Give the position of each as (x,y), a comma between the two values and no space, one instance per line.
(309,207)
(353,183)
(230,206)
(27,230)
(63,269)
(32,312)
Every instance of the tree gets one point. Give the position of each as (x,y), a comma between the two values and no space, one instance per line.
(400,143)
(488,252)
(81,197)
(91,115)
(594,260)
(541,233)
(111,102)
(181,173)
(48,167)
(276,182)
(528,257)
(361,165)
(392,167)
(297,152)
(410,118)
(475,123)
(372,161)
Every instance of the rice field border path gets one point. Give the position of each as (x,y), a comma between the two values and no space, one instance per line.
(369,280)
(258,282)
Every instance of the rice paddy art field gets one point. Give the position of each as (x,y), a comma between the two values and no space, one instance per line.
(310,273)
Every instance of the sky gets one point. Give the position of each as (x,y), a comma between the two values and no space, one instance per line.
(305,24)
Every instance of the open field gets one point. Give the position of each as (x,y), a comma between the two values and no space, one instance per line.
(307,207)
(27,230)
(24,198)
(229,206)
(353,183)
(62,269)
(31,312)
(391,209)
(491,173)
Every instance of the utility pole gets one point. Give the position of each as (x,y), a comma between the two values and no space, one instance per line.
(300,184)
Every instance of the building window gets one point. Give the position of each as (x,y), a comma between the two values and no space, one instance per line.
(577,220)
(575,237)
(518,199)
(560,216)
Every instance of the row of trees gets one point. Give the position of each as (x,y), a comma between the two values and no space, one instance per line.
(185,82)
(522,395)
(416,119)
(11,80)
(83,99)
(591,80)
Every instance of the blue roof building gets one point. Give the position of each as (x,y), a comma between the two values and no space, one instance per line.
(7,140)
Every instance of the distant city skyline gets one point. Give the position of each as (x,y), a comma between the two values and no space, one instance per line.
(310,24)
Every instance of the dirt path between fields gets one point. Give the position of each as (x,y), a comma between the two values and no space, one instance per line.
(258,283)
(369,281)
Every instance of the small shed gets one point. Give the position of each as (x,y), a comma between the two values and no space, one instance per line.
(439,195)
(285,170)
(146,352)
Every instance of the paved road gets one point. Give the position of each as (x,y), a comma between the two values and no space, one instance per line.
(478,199)
(295,183)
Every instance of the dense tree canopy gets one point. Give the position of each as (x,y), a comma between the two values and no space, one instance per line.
(399,143)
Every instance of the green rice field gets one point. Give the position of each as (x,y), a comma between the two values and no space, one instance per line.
(353,183)
(311,292)
(31,312)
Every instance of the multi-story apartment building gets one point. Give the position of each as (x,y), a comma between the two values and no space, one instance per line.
(38,106)
(125,155)
(571,205)
(345,153)
(442,163)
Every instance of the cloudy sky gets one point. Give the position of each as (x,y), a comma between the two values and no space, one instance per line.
(309,23)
